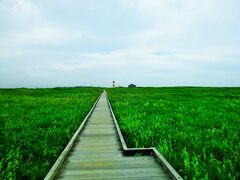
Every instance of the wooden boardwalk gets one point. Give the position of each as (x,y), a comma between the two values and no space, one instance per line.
(97,153)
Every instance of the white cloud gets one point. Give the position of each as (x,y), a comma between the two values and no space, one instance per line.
(41,35)
(20,10)
(130,3)
(185,12)
(24,8)
(31,27)
(6,53)
(93,60)
(185,22)
(143,59)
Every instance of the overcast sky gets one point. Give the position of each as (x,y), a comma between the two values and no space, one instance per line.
(47,43)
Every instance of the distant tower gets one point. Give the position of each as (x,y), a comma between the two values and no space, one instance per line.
(113,83)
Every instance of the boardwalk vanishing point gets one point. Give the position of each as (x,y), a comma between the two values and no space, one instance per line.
(98,151)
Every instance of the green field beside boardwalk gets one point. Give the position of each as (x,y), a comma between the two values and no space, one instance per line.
(196,129)
(36,125)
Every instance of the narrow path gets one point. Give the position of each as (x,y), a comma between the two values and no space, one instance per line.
(97,153)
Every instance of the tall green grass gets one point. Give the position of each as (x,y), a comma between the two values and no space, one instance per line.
(36,125)
(196,129)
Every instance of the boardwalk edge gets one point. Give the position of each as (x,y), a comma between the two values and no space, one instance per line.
(150,151)
(53,171)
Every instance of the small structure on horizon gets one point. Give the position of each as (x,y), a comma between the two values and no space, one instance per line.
(132,86)
(113,83)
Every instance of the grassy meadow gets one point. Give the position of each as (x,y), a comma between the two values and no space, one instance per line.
(36,125)
(196,129)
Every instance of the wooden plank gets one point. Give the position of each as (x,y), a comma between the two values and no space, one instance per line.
(95,156)
(95,147)
(114,172)
(133,177)
(100,132)
(119,177)
(98,143)
(109,165)
(102,139)
(103,151)
(122,162)
(107,125)
(117,159)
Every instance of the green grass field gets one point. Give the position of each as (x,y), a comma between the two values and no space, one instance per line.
(36,125)
(196,129)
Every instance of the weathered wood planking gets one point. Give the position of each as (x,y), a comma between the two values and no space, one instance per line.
(98,153)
